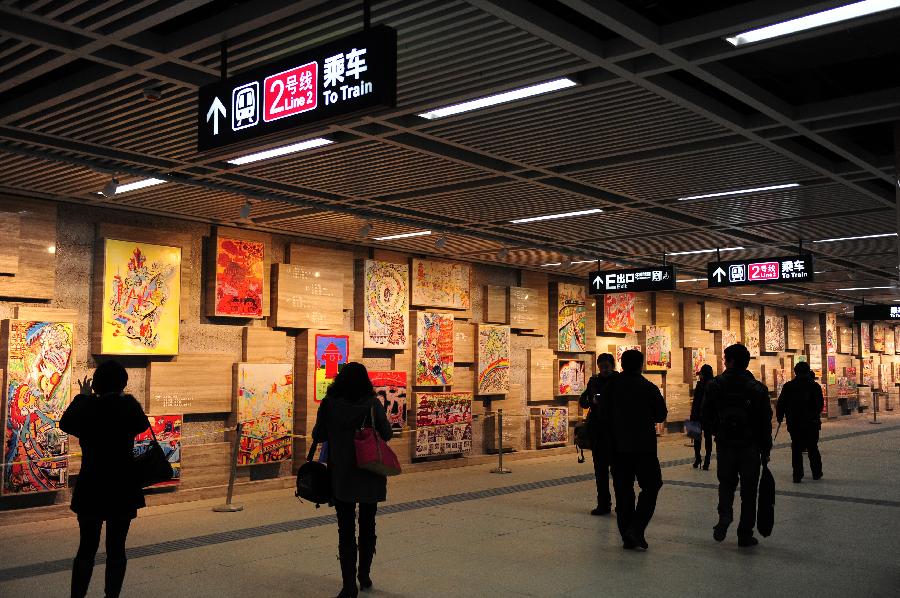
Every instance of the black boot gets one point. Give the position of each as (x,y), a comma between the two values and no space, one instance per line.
(115,576)
(81,576)
(347,556)
(366,554)
(696,462)
(706,463)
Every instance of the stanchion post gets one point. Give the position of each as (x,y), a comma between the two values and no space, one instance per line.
(500,468)
(875,408)
(228,507)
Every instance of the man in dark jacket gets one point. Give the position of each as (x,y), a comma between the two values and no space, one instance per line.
(606,371)
(737,411)
(801,401)
(630,407)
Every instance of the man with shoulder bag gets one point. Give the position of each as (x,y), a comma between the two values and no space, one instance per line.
(606,372)
(801,402)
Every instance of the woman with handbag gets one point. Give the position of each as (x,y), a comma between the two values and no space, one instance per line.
(348,406)
(705,375)
(105,420)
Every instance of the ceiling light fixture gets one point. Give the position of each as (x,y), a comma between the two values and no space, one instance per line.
(364,230)
(440,242)
(109,190)
(878,236)
(696,251)
(244,212)
(748,294)
(819,19)
(774,293)
(585,262)
(282,151)
(139,185)
(556,216)
(863,288)
(420,233)
(690,280)
(503,253)
(551,264)
(740,191)
(822,303)
(500,98)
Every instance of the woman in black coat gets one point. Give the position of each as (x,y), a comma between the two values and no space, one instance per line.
(705,375)
(105,420)
(349,402)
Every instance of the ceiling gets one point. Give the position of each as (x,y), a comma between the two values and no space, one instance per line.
(665,108)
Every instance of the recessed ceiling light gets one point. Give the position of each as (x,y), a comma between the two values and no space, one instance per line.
(863,288)
(774,293)
(245,210)
(695,251)
(281,151)
(551,264)
(586,262)
(500,98)
(856,238)
(556,216)
(420,233)
(740,191)
(819,19)
(51,249)
(139,185)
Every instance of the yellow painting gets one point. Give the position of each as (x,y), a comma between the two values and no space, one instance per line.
(141,297)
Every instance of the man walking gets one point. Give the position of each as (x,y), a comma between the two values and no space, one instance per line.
(801,401)
(631,406)
(737,411)
(606,371)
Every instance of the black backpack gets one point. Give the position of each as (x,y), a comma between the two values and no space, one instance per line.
(735,412)
(314,480)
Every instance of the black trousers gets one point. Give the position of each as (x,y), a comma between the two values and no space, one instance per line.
(601,473)
(738,464)
(805,440)
(347,546)
(708,438)
(89,541)
(626,468)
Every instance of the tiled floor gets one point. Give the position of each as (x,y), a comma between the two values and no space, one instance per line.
(836,537)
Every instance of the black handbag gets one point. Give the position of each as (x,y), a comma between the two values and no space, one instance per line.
(314,480)
(151,466)
(765,511)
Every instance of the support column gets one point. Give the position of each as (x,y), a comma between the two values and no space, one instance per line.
(897,189)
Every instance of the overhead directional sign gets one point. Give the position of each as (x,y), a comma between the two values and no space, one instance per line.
(767,270)
(634,280)
(876,312)
(349,76)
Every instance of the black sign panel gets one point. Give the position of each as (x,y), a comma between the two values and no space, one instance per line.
(352,75)
(876,312)
(764,270)
(634,280)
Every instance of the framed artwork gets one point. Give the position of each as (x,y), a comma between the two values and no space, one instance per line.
(571,318)
(493,359)
(571,377)
(443,424)
(38,389)
(779,375)
(698,359)
(729,337)
(896,371)
(621,349)
(831,338)
(751,330)
(332,352)
(865,340)
(774,334)
(814,355)
(885,379)
(852,373)
(868,372)
(141,297)
(889,340)
(554,426)
(846,388)
(265,406)
(168,435)
(386,305)
(240,278)
(618,313)
(658,355)
(897,340)
(434,349)
(390,389)
(831,368)
(441,284)
(878,334)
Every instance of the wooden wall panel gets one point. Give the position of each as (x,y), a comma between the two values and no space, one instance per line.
(794,339)
(191,383)
(463,342)
(35,276)
(337,261)
(540,300)
(304,297)
(53,314)
(496,304)
(665,313)
(690,325)
(9,248)
(712,315)
(204,465)
(524,312)
(541,375)
(262,345)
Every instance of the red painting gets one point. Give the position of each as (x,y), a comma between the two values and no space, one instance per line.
(239,278)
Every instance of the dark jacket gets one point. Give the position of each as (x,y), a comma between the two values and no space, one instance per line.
(106,426)
(697,402)
(595,386)
(801,402)
(718,404)
(337,421)
(630,408)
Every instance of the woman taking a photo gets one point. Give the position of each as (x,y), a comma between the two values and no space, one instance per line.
(347,406)
(105,420)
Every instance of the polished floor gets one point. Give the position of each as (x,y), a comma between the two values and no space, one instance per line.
(467,532)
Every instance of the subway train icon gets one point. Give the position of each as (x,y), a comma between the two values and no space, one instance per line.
(245,106)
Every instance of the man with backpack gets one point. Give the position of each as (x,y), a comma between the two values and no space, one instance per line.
(801,401)
(606,371)
(737,411)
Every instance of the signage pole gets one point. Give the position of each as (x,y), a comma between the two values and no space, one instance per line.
(367,14)
(500,468)
(223,60)
(230,507)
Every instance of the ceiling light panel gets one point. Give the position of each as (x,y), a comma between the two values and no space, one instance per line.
(500,98)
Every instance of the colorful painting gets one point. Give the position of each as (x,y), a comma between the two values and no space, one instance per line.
(868,372)
(814,355)
(831,337)
(434,349)
(658,355)
(240,272)
(443,424)
(386,305)
(865,340)
(390,389)
(571,376)
(265,406)
(897,340)
(621,349)
(751,330)
(852,374)
(493,359)
(141,297)
(618,313)
(889,340)
(878,338)
(441,284)
(846,388)
(554,426)
(729,337)
(774,334)
(571,318)
(332,352)
(779,376)
(698,359)
(885,380)
(168,435)
(831,367)
(896,369)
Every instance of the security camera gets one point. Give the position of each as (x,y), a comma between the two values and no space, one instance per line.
(152,93)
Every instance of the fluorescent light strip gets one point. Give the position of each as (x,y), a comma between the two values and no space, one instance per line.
(420,233)
(696,251)
(586,262)
(551,264)
(500,98)
(879,236)
(819,19)
(822,303)
(774,293)
(138,185)
(690,280)
(557,216)
(282,151)
(863,288)
(748,294)
(740,192)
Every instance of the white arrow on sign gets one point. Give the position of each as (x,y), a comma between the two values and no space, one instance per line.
(597,282)
(217,108)
(718,274)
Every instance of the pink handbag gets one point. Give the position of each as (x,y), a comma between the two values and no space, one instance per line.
(372,453)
